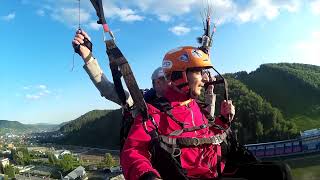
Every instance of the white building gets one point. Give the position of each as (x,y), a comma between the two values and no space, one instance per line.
(3,163)
(59,153)
(78,173)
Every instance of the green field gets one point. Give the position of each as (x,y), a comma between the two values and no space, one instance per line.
(304,167)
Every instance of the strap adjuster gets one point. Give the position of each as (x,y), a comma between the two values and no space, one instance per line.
(196,141)
(176,152)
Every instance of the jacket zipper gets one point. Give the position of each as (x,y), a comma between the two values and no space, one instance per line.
(192,118)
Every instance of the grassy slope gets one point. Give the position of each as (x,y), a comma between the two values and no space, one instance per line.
(293,88)
(306,167)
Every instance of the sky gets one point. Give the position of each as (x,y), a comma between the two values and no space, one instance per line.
(38,84)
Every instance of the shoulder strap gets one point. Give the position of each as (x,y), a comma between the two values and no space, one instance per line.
(117,59)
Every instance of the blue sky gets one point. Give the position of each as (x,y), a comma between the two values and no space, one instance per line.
(38,86)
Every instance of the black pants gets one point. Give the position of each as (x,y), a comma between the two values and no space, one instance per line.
(258,171)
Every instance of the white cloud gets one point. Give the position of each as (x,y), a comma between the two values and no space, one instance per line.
(40,12)
(9,17)
(67,12)
(94,25)
(70,16)
(196,28)
(180,30)
(128,15)
(164,18)
(315,7)
(224,11)
(26,87)
(42,86)
(123,14)
(309,50)
(165,9)
(36,92)
(268,9)
(32,97)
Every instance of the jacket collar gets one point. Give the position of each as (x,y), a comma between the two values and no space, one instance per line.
(176,98)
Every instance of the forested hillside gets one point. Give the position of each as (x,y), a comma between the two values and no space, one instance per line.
(18,128)
(13,125)
(256,119)
(293,88)
(97,128)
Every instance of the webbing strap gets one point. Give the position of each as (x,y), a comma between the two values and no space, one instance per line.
(186,142)
(195,128)
(181,124)
(174,151)
(219,166)
(116,57)
(116,76)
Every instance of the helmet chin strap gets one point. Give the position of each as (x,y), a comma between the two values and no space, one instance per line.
(179,90)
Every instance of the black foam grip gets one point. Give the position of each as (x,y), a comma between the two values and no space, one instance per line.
(85,43)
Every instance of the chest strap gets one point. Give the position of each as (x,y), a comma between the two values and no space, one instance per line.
(186,142)
(195,128)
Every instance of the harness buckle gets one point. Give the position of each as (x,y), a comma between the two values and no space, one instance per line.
(203,126)
(196,141)
(176,152)
(215,140)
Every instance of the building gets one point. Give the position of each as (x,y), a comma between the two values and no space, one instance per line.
(60,153)
(78,173)
(310,132)
(3,163)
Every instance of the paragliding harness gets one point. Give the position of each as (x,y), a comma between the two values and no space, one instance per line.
(165,151)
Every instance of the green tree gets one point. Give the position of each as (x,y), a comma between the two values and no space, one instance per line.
(109,160)
(68,163)
(21,156)
(9,171)
(259,130)
(52,159)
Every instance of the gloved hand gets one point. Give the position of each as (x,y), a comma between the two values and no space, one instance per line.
(82,44)
(227,110)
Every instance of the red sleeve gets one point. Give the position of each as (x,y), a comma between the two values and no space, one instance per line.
(135,158)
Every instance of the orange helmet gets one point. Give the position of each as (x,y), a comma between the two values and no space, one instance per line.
(177,61)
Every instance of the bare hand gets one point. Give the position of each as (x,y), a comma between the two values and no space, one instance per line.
(207,78)
(78,40)
(228,110)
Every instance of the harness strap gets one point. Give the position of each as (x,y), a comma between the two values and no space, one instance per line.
(116,58)
(186,142)
(219,166)
(195,128)
(173,150)
(169,113)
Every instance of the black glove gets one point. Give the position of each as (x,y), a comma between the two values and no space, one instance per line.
(85,43)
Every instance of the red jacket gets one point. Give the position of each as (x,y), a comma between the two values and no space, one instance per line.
(200,161)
